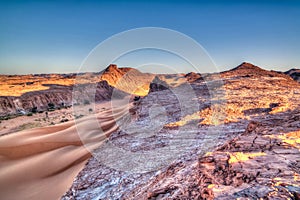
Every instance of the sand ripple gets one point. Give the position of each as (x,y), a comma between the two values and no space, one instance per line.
(42,163)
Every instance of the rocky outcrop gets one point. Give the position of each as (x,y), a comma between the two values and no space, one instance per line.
(192,76)
(157,84)
(242,142)
(24,92)
(128,80)
(257,164)
(294,73)
(59,96)
(249,70)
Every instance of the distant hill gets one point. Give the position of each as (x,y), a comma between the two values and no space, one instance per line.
(249,70)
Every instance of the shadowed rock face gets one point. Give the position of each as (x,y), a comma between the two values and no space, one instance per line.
(58,95)
(294,73)
(39,99)
(252,151)
(25,92)
(157,84)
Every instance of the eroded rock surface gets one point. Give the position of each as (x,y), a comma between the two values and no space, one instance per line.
(256,164)
(235,136)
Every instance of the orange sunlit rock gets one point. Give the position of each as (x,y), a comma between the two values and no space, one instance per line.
(241,157)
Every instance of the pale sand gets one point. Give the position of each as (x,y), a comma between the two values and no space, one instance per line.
(42,163)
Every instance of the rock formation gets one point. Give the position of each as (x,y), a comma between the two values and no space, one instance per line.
(241,143)
(58,95)
(24,92)
(128,80)
(294,73)
(157,84)
(192,76)
(214,136)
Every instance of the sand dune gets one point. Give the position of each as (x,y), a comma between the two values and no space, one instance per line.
(42,163)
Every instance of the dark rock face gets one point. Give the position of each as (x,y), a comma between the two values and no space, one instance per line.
(157,84)
(39,99)
(294,73)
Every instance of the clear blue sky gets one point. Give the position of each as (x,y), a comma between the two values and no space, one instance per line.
(56,36)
